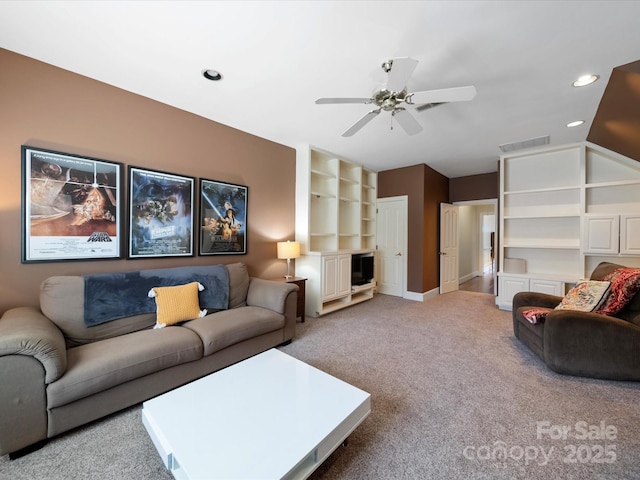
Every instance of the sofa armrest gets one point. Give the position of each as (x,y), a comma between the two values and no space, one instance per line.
(26,331)
(281,297)
(592,345)
(535,299)
(270,294)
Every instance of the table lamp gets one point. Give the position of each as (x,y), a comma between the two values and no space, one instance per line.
(288,250)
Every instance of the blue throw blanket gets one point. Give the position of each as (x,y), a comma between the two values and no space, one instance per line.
(109,296)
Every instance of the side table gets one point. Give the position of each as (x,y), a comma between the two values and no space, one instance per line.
(300,282)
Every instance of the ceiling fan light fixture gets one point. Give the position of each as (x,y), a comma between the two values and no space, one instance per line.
(577,123)
(585,80)
(212,75)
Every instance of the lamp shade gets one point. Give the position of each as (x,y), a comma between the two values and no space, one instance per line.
(288,249)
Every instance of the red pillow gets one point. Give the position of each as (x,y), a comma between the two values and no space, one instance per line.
(536,315)
(625,283)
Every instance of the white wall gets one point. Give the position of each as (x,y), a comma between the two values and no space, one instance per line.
(468,242)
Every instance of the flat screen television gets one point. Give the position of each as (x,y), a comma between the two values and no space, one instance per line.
(361,269)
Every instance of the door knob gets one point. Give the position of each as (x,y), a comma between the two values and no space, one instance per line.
(399,254)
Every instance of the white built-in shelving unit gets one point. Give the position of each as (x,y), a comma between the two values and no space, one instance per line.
(564,210)
(335,219)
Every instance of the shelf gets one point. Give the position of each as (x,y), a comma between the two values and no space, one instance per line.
(348,180)
(362,288)
(543,246)
(322,173)
(332,196)
(542,190)
(617,183)
(530,217)
(541,276)
(322,195)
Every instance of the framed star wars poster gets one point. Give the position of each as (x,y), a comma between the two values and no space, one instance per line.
(71,207)
(160,214)
(223,218)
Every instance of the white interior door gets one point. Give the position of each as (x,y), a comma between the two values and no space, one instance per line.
(391,239)
(449,274)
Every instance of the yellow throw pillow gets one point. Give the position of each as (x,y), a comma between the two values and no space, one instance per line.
(177,304)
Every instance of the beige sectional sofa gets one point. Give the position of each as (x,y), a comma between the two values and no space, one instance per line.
(57,373)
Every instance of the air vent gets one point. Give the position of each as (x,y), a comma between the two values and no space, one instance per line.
(532,142)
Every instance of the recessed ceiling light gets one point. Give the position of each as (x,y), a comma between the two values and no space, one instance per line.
(575,124)
(212,75)
(585,80)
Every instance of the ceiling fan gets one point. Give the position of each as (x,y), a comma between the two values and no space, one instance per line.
(391,97)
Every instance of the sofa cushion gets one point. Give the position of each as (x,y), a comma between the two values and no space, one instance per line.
(97,366)
(229,327)
(238,284)
(62,302)
(177,304)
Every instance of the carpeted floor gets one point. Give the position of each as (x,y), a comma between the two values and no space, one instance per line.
(454,396)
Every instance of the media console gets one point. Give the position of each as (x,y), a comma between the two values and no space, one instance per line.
(337,280)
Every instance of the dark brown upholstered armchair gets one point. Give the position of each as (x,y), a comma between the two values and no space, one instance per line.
(584,344)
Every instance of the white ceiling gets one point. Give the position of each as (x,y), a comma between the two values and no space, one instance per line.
(277,58)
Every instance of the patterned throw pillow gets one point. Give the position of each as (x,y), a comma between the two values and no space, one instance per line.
(177,304)
(536,315)
(625,283)
(586,296)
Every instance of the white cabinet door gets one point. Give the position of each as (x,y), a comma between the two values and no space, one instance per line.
(630,234)
(508,287)
(344,275)
(336,276)
(601,234)
(330,277)
(551,287)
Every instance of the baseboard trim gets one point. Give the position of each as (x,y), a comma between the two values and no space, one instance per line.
(468,277)
(421,297)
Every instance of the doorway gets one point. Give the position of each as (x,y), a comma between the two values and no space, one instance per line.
(477,235)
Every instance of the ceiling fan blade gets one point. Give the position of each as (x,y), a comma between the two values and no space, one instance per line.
(401,70)
(323,101)
(361,123)
(407,122)
(457,94)
(427,106)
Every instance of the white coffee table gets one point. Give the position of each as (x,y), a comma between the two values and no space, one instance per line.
(268,417)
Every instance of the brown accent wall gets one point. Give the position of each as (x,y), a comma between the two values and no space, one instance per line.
(474,187)
(436,188)
(47,107)
(616,125)
(425,189)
